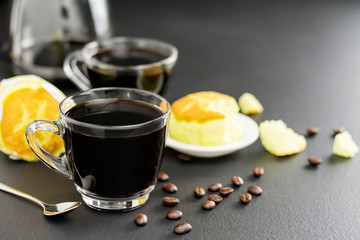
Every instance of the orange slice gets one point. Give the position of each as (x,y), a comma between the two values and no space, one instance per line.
(22,100)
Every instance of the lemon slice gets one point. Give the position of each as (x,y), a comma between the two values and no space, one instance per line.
(249,104)
(280,140)
(24,99)
(344,145)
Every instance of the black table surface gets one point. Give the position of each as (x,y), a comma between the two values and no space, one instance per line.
(300,58)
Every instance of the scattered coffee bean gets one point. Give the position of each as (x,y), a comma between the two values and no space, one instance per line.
(245,197)
(163,177)
(255,190)
(314,160)
(182,228)
(170,201)
(184,157)
(258,171)
(169,187)
(216,198)
(237,181)
(208,205)
(174,214)
(338,129)
(313,131)
(199,192)
(214,187)
(141,219)
(225,191)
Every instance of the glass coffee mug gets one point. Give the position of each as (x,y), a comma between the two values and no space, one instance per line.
(114,143)
(122,62)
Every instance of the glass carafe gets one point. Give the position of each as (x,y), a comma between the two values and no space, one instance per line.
(43,32)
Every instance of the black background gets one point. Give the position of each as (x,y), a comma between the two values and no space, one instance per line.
(300,58)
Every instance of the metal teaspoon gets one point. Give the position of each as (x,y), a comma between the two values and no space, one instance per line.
(49,209)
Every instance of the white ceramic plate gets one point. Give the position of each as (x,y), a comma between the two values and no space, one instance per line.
(251,133)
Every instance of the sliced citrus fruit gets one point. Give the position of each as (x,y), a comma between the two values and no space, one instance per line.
(280,140)
(249,104)
(24,99)
(344,145)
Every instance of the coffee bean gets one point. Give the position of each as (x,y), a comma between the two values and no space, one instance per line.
(258,171)
(245,197)
(338,129)
(214,187)
(313,130)
(169,187)
(314,160)
(199,192)
(141,219)
(174,214)
(170,201)
(208,205)
(163,177)
(182,228)
(184,157)
(225,191)
(237,181)
(255,190)
(216,198)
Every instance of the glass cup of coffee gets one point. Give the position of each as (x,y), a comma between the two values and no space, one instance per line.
(122,62)
(114,143)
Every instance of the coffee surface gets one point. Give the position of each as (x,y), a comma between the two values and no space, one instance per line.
(129,57)
(114,112)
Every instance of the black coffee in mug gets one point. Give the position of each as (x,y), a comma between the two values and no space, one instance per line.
(151,79)
(129,62)
(115,166)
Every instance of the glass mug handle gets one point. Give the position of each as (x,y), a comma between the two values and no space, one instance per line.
(73,72)
(57,164)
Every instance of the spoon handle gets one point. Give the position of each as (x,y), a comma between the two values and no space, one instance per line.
(20,194)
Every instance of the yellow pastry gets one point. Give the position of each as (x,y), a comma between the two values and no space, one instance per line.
(205,118)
